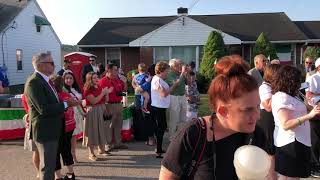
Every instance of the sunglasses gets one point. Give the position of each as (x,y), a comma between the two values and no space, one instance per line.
(51,62)
(308,62)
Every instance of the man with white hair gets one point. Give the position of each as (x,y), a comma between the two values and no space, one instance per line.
(46,113)
(313,96)
(260,62)
(178,101)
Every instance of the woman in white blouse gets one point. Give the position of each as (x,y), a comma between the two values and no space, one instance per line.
(292,129)
(266,121)
(160,101)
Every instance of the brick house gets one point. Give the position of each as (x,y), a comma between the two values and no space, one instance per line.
(128,41)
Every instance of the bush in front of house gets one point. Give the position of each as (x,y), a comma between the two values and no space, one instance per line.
(213,50)
(311,51)
(202,84)
(130,75)
(263,46)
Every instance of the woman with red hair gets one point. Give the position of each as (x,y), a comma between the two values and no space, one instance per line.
(234,100)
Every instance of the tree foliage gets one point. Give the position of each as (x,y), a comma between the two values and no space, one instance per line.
(213,50)
(263,46)
(311,51)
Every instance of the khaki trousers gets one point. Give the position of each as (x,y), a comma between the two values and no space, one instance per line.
(114,126)
(177,113)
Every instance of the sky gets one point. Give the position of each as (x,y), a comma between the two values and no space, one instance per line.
(72,19)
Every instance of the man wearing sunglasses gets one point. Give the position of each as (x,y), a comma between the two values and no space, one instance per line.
(307,68)
(91,67)
(46,113)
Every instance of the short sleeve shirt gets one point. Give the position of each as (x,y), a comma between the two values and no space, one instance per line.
(314,87)
(265,92)
(281,100)
(118,86)
(95,92)
(180,151)
(141,78)
(156,99)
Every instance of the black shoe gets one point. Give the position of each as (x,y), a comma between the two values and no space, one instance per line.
(159,156)
(315,173)
(161,151)
(70,176)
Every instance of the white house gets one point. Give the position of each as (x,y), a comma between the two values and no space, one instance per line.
(24,31)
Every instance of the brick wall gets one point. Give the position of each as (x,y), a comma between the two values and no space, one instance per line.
(99,52)
(146,55)
(130,58)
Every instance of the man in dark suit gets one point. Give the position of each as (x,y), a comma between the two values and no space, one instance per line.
(89,68)
(66,66)
(45,112)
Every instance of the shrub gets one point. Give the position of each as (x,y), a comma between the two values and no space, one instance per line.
(130,75)
(263,46)
(202,83)
(311,51)
(213,50)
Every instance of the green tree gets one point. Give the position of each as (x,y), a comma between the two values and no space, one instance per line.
(263,46)
(311,51)
(213,50)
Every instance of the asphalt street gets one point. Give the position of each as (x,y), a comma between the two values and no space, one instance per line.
(137,162)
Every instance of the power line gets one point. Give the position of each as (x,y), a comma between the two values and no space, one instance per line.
(193,3)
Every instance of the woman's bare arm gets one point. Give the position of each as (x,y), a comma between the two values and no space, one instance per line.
(166,174)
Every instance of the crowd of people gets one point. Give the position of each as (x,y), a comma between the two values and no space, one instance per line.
(58,111)
(265,106)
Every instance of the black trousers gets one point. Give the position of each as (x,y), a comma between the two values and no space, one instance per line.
(64,150)
(315,142)
(160,125)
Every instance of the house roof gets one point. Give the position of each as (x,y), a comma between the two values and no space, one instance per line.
(247,27)
(310,28)
(122,30)
(9,9)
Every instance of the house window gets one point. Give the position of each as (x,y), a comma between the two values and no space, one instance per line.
(284,52)
(38,27)
(19,56)
(161,54)
(185,53)
(113,56)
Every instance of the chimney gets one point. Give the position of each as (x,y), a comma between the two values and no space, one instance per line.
(182,11)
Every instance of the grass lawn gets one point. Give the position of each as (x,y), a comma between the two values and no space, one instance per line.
(203,109)
(204,106)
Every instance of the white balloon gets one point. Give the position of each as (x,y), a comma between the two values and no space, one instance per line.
(251,163)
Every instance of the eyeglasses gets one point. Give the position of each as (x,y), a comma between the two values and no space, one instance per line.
(49,62)
(309,62)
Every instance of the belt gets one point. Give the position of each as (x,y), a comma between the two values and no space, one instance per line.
(114,102)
